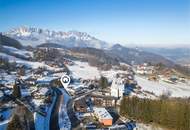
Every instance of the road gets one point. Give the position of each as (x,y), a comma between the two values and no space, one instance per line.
(70,111)
(54,119)
(75,123)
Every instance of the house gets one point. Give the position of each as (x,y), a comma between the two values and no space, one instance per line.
(173,78)
(153,78)
(103,116)
(80,105)
(21,70)
(117,87)
(144,69)
(30,81)
(42,93)
(182,79)
(103,100)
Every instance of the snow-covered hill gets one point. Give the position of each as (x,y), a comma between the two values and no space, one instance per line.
(36,36)
(85,71)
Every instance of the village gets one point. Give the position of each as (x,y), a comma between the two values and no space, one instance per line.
(91,100)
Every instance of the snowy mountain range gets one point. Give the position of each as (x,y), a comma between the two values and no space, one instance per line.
(36,36)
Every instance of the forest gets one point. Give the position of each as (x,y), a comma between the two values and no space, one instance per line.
(169,113)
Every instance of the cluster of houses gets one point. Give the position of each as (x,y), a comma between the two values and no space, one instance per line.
(34,94)
(59,63)
(96,103)
(167,75)
(144,69)
(95,111)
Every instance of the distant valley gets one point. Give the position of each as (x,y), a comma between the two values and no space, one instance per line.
(178,55)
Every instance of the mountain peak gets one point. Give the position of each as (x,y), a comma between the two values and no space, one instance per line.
(35,36)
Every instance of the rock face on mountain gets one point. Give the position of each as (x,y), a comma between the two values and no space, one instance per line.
(36,36)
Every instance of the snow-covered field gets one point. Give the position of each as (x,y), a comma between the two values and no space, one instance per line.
(18,51)
(83,70)
(176,90)
(30,64)
(141,126)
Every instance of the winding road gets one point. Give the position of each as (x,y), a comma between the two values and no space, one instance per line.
(54,119)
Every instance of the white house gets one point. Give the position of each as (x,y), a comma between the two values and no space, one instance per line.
(144,69)
(117,87)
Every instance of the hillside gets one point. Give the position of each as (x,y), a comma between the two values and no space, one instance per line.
(180,55)
(135,56)
(7,41)
(95,57)
(90,49)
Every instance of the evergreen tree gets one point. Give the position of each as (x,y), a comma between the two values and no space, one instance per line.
(170,113)
(16,91)
(103,82)
(15,123)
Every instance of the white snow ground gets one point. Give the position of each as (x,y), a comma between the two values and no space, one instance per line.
(31,64)
(176,90)
(141,126)
(83,70)
(18,51)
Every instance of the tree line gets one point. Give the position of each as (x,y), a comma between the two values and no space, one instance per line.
(6,65)
(170,113)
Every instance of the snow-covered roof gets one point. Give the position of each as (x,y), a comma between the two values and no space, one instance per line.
(46,79)
(102,113)
(1,94)
(43,91)
(25,92)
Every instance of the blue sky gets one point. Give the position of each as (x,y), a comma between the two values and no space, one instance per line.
(141,22)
